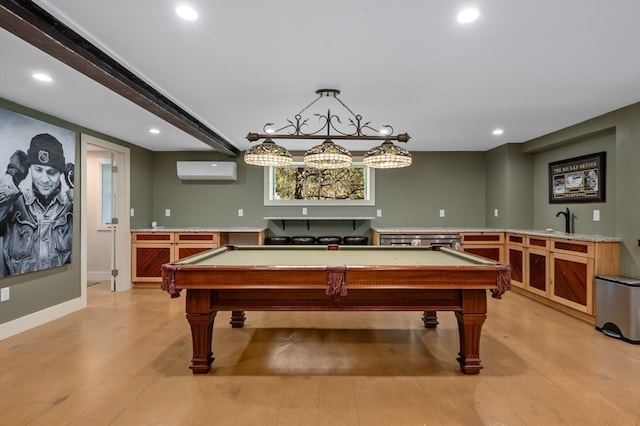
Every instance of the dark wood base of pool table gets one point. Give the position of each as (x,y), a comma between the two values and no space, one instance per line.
(469,305)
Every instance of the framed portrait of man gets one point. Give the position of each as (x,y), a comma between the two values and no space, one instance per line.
(37,167)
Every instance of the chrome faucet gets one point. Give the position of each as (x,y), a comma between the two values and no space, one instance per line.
(567,220)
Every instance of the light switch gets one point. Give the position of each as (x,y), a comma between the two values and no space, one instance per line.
(495,212)
(379,213)
(4,294)
(304,211)
(596,215)
(167,212)
(132,212)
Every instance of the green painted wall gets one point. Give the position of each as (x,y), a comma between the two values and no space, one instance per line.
(412,196)
(544,213)
(509,179)
(618,133)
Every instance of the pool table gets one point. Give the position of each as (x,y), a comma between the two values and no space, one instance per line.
(335,278)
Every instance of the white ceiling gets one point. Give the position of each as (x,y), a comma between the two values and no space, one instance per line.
(528,66)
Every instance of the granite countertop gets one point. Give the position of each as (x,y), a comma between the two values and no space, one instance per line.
(540,233)
(199,229)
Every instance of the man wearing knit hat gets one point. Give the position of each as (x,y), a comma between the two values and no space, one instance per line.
(36,222)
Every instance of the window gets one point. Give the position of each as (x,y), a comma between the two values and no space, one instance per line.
(105,194)
(300,185)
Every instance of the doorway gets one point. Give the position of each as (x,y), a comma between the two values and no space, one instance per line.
(105,225)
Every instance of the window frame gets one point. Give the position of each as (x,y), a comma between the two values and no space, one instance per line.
(369,181)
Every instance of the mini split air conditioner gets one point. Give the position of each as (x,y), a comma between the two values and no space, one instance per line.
(206,170)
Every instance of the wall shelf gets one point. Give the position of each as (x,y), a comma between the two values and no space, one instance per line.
(283,219)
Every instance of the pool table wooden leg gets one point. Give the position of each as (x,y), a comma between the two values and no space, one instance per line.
(237,319)
(470,320)
(201,316)
(430,319)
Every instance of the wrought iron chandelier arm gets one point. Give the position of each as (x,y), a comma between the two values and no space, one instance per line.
(254,137)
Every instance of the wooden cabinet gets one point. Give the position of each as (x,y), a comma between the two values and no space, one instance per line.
(574,265)
(151,249)
(560,270)
(485,244)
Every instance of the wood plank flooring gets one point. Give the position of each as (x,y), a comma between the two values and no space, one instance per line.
(124,361)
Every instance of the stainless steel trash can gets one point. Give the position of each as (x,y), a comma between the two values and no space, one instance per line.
(618,307)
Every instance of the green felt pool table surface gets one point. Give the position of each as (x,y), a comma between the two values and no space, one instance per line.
(351,256)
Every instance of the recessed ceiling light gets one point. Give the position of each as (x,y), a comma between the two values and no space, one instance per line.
(498,131)
(187,12)
(468,15)
(154,131)
(42,77)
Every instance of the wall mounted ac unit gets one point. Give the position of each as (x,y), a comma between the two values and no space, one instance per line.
(206,170)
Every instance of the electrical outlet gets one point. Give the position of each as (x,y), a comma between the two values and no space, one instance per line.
(132,212)
(441,212)
(304,211)
(596,215)
(379,213)
(167,212)
(240,212)
(495,212)
(4,294)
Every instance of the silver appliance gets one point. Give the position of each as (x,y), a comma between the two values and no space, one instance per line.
(443,240)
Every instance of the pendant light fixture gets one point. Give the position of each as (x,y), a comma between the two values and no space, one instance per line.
(328,155)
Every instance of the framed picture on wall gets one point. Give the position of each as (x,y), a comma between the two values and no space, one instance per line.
(36,194)
(578,180)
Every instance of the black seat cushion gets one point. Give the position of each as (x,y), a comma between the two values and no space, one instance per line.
(355,240)
(303,240)
(277,240)
(326,239)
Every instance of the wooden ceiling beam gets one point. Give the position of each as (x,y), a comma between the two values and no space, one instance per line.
(39,28)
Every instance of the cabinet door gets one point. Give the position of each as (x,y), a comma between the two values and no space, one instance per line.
(516,260)
(148,259)
(537,279)
(148,252)
(572,281)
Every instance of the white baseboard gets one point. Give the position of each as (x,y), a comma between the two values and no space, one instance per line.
(98,275)
(27,322)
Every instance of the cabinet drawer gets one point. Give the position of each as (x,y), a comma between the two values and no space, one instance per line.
(483,238)
(516,239)
(538,242)
(572,247)
(198,237)
(152,237)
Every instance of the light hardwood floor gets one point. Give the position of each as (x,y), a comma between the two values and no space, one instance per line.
(124,361)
